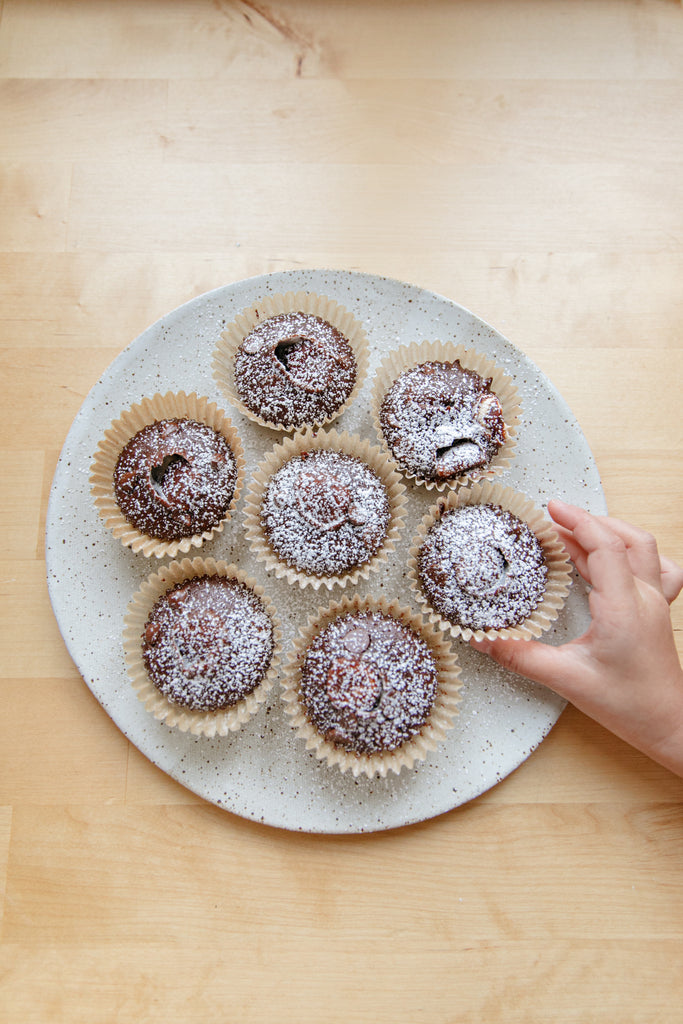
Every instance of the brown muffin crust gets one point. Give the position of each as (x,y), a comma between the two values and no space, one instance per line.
(481,567)
(325,512)
(175,478)
(207,643)
(368,682)
(441,420)
(294,369)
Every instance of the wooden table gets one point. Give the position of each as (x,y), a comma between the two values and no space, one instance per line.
(523,159)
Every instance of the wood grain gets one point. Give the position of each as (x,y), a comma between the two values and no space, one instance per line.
(522,159)
(535,208)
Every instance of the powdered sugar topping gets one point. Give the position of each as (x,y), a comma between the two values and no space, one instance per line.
(207,643)
(294,369)
(175,478)
(368,682)
(325,512)
(482,567)
(440,420)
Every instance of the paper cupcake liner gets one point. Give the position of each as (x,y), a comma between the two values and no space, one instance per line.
(412,751)
(408,356)
(556,559)
(150,410)
(199,723)
(308,440)
(273,305)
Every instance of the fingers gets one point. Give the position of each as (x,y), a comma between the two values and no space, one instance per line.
(553,666)
(607,566)
(672,579)
(574,550)
(641,550)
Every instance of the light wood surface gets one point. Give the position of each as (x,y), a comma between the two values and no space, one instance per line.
(522,158)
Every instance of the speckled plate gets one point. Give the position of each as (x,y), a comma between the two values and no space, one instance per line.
(264,772)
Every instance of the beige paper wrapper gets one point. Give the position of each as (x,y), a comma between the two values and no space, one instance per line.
(273,305)
(432,733)
(150,410)
(199,723)
(308,440)
(556,559)
(407,356)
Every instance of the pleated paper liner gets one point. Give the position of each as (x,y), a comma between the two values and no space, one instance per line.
(151,410)
(306,441)
(412,751)
(557,561)
(274,305)
(199,723)
(408,356)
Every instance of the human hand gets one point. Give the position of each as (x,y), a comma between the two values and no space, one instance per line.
(624,671)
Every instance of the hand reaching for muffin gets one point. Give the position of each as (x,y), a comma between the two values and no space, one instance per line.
(624,671)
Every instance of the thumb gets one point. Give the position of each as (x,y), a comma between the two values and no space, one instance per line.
(530,658)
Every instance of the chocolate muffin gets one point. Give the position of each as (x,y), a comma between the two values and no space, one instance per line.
(207,643)
(368,682)
(441,420)
(294,369)
(325,512)
(175,478)
(481,567)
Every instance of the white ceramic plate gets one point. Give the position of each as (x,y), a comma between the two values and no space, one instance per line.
(264,772)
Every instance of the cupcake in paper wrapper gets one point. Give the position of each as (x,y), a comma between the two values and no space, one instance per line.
(486,562)
(167,474)
(211,638)
(324,509)
(370,687)
(445,413)
(292,360)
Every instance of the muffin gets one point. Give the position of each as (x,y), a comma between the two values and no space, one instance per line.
(324,508)
(441,420)
(371,688)
(325,512)
(440,415)
(481,567)
(207,643)
(175,478)
(294,369)
(292,361)
(202,643)
(368,682)
(167,474)
(487,562)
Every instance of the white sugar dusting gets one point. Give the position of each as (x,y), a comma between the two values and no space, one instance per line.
(207,643)
(368,682)
(441,420)
(175,478)
(325,512)
(294,369)
(481,567)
